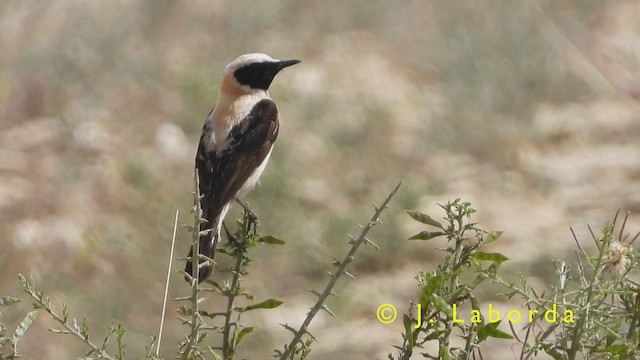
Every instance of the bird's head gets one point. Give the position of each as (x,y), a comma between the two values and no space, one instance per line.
(251,73)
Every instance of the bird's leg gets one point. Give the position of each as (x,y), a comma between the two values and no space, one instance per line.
(250,212)
(230,237)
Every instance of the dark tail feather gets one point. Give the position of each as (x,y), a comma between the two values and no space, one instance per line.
(207,247)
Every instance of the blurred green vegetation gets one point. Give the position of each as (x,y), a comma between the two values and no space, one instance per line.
(527,109)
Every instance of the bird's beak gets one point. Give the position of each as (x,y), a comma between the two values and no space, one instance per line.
(286,63)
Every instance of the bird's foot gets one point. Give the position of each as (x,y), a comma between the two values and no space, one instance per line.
(252,215)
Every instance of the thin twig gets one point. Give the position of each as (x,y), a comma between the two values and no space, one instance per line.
(44,303)
(101,353)
(375,219)
(624,223)
(166,287)
(576,239)
(233,288)
(195,260)
(454,280)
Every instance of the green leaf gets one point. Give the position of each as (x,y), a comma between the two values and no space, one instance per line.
(492,236)
(215,284)
(267,304)
(242,333)
(443,352)
(442,305)
(213,353)
(424,218)
(620,349)
(610,339)
(436,334)
(406,321)
(23,326)
(426,235)
(432,284)
(555,354)
(8,300)
(495,257)
(270,239)
(491,330)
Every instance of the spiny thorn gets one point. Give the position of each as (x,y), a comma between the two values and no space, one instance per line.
(350,275)
(311,336)
(205,232)
(288,328)
(325,308)
(372,243)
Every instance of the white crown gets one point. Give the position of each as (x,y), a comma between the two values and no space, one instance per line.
(247,59)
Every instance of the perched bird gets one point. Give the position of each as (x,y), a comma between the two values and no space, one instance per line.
(235,145)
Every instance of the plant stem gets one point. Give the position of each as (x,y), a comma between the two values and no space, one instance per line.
(86,340)
(595,280)
(375,219)
(453,284)
(195,260)
(227,350)
(45,304)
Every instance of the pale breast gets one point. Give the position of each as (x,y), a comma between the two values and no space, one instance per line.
(229,111)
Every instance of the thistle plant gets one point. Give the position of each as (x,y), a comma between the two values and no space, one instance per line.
(443,290)
(598,296)
(591,311)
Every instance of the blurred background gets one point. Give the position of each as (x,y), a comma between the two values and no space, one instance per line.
(530,110)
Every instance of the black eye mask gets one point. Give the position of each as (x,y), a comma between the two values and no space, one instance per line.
(257,75)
